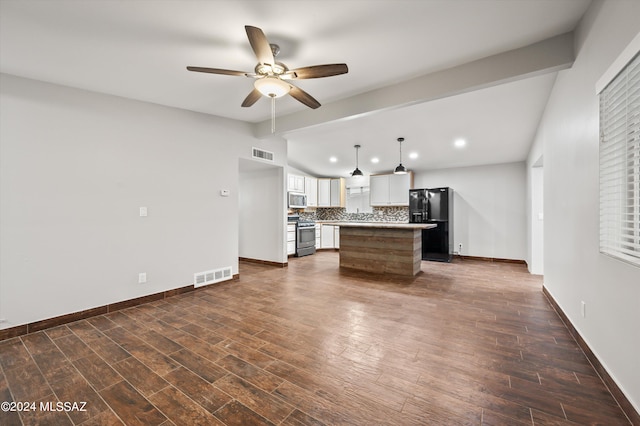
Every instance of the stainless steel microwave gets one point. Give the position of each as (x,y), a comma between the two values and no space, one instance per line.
(297,200)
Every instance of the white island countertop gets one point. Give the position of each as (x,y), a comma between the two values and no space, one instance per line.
(384,225)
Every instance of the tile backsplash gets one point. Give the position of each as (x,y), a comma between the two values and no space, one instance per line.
(380,214)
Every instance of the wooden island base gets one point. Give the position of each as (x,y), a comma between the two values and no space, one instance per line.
(383,249)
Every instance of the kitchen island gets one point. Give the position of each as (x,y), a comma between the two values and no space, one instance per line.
(382,247)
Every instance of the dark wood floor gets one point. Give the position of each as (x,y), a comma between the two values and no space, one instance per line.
(469,342)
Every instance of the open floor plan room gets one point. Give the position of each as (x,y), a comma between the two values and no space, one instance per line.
(463,343)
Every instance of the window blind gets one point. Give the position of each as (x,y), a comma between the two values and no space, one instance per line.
(620,165)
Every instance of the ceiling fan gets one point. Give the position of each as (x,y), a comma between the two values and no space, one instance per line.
(272,77)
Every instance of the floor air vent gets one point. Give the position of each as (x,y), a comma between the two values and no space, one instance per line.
(262,155)
(213,276)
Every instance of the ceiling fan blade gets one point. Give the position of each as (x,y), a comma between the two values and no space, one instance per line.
(218,71)
(260,45)
(317,71)
(302,96)
(252,98)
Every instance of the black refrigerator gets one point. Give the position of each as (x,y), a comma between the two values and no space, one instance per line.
(434,205)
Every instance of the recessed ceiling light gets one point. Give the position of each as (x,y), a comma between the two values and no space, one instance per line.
(375,160)
(459,143)
(413,155)
(333,159)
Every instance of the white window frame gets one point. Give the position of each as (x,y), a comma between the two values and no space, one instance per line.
(619,94)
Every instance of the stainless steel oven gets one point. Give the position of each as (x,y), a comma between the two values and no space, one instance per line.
(305,238)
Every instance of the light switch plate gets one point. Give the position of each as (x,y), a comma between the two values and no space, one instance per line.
(143,212)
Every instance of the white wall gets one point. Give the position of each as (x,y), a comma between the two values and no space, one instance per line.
(262,232)
(574,269)
(536,220)
(75,168)
(489,208)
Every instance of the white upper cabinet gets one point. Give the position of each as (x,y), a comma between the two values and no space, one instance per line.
(324,192)
(311,189)
(295,183)
(399,186)
(379,190)
(338,192)
(391,189)
(331,192)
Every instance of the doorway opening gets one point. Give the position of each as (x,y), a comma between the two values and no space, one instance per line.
(261,221)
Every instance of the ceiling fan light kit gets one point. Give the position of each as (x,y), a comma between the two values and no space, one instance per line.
(400,170)
(270,75)
(272,87)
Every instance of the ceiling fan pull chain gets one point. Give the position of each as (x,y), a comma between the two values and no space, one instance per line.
(273,114)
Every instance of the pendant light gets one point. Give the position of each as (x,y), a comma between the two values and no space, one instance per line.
(357,171)
(400,170)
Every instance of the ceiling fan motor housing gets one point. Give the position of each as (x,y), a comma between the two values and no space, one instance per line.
(275,69)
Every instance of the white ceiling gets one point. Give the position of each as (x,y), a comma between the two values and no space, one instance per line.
(139,50)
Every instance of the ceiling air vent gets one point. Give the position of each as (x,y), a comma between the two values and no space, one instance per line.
(262,155)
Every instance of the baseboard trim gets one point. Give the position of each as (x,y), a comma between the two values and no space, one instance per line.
(626,406)
(490,259)
(263,262)
(21,330)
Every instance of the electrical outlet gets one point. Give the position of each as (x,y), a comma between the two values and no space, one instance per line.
(583,309)
(460,248)
(142,277)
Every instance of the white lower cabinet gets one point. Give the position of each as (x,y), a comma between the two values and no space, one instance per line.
(326,236)
(329,236)
(318,236)
(291,239)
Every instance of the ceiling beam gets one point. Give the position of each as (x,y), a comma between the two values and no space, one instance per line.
(550,55)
